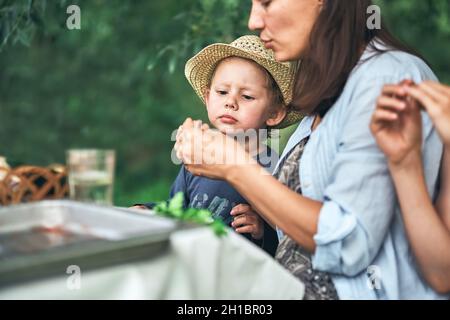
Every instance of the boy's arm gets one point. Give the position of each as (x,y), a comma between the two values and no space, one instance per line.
(269,240)
(181,185)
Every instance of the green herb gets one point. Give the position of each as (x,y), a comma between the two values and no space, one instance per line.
(174,209)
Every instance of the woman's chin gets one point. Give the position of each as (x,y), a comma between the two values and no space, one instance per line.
(284,56)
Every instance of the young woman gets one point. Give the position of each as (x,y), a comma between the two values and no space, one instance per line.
(396,125)
(332,195)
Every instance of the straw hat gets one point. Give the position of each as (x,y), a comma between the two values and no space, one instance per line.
(200,69)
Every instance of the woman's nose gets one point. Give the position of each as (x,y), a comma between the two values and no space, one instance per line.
(255,22)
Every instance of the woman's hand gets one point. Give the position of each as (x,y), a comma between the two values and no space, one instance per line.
(247,221)
(397,125)
(435,99)
(207,152)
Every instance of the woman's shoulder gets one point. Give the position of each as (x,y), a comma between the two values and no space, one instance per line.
(375,70)
(393,64)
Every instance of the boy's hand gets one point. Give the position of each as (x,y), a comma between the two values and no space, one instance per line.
(247,221)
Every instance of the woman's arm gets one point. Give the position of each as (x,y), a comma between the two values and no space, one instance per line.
(296,215)
(428,235)
(443,200)
(435,99)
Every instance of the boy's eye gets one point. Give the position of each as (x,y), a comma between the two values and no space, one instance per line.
(247,97)
(265,3)
(221,92)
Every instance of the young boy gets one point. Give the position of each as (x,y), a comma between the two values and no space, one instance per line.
(243,88)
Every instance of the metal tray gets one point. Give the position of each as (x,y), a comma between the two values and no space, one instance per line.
(45,238)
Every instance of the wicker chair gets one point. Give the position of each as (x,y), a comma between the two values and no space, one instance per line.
(31,183)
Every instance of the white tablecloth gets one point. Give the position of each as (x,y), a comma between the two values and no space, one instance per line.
(198,265)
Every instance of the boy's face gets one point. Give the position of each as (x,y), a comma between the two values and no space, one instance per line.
(239,98)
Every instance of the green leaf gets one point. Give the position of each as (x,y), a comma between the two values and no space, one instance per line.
(200,216)
(203,216)
(219,228)
(190,214)
(177,201)
(161,207)
(176,205)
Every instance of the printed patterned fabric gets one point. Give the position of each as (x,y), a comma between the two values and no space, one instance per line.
(318,285)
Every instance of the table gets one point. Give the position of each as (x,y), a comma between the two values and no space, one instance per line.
(197,265)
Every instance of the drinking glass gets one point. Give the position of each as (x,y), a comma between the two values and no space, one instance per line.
(91,175)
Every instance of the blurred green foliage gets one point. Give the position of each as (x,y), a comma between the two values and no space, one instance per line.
(425,26)
(119,83)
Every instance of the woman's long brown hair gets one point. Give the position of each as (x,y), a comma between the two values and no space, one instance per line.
(337,42)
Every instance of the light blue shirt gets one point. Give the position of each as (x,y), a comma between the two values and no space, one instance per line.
(361,235)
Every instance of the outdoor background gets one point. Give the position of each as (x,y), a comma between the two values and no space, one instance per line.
(118,83)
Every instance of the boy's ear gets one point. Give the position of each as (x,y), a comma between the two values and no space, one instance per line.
(276,116)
